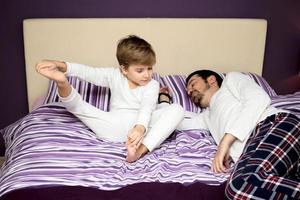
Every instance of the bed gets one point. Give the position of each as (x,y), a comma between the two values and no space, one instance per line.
(50,154)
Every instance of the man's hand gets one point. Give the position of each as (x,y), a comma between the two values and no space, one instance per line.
(135,136)
(221,159)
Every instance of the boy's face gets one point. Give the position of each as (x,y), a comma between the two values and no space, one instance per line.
(137,75)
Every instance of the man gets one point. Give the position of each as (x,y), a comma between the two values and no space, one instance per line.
(264,142)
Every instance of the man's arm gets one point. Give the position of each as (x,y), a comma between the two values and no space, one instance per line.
(253,100)
(221,162)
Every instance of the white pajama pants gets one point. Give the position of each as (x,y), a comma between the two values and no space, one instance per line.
(114,125)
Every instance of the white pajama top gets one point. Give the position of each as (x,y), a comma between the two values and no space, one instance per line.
(141,100)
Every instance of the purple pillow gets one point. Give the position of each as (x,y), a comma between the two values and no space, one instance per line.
(262,83)
(177,87)
(289,102)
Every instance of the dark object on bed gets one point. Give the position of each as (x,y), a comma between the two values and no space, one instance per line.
(145,191)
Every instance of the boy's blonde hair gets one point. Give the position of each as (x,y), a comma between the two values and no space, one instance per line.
(133,50)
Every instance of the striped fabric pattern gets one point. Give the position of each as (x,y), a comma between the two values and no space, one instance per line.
(51,147)
(177,88)
(289,102)
(262,83)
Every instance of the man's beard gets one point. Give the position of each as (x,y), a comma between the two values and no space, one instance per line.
(196,97)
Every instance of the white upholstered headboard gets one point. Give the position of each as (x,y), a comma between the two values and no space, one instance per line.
(181,45)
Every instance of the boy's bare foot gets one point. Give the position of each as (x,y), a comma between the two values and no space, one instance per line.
(133,153)
(53,74)
(51,70)
(54,70)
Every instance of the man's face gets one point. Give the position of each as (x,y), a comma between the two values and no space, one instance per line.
(199,91)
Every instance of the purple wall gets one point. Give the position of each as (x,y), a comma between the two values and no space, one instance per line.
(282,49)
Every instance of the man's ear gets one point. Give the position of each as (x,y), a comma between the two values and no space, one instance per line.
(212,80)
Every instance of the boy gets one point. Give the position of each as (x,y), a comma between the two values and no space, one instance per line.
(132,116)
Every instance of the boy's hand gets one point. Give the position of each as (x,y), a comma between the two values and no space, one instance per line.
(135,136)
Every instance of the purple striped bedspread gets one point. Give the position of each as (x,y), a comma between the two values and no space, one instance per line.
(289,102)
(51,147)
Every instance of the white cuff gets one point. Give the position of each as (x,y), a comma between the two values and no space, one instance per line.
(69,98)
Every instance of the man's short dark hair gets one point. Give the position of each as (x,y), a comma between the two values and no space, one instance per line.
(205,74)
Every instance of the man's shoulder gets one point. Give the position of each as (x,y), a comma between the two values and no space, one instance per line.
(236,76)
